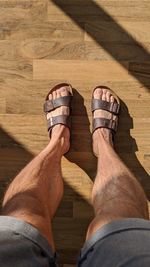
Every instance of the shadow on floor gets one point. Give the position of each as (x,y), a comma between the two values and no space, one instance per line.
(126,147)
(81,142)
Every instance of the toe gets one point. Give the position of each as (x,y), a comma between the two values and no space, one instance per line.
(58,94)
(48,115)
(104,95)
(54,94)
(112,99)
(98,93)
(64,91)
(108,94)
(50,97)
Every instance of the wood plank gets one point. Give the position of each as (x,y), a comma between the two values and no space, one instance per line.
(33,93)
(65,209)
(62,229)
(69,265)
(110,32)
(40,48)
(53,31)
(19,68)
(119,51)
(68,256)
(2,105)
(82,210)
(100,10)
(61,69)
(142,68)
(14,13)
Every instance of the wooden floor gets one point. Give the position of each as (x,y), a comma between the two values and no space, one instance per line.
(86,43)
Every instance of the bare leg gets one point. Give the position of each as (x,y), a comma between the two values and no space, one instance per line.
(116,192)
(35,193)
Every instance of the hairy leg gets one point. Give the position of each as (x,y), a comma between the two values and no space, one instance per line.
(116,193)
(34,195)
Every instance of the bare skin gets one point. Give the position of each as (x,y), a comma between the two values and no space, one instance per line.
(116,193)
(36,192)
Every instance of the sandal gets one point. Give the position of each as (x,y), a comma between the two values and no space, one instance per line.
(51,105)
(112,107)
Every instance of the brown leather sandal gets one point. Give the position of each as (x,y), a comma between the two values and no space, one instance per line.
(51,105)
(113,108)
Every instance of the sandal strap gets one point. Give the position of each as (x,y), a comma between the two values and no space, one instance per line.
(112,107)
(61,119)
(105,123)
(50,105)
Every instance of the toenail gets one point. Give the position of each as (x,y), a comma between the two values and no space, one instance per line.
(63,89)
(98,91)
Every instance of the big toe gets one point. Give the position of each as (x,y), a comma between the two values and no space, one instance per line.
(98,93)
(63,91)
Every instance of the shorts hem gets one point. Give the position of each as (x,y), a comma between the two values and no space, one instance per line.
(112,228)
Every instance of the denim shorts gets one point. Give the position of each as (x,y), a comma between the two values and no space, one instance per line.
(117,244)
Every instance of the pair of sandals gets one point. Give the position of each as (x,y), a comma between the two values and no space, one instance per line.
(112,107)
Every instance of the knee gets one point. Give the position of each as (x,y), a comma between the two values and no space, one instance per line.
(98,222)
(93,227)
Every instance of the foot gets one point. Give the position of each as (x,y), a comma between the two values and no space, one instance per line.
(60,133)
(102,134)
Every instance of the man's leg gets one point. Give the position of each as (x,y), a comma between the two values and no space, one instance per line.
(116,192)
(35,193)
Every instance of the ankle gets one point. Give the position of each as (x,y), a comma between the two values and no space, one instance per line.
(60,139)
(58,146)
(102,141)
(103,135)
